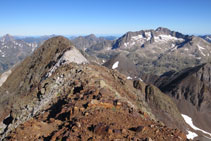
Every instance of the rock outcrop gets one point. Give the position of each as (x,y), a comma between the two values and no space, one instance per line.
(191,90)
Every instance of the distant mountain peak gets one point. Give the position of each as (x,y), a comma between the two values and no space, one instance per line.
(91,36)
(162,29)
(7,37)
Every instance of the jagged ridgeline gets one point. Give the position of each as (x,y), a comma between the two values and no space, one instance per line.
(152,51)
(56,94)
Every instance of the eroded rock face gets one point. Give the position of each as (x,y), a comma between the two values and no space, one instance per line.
(162,106)
(191,89)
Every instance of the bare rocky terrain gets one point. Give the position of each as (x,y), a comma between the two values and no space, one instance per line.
(141,86)
(60,98)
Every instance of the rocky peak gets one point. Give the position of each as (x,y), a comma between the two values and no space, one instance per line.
(163,29)
(36,68)
(91,36)
(7,38)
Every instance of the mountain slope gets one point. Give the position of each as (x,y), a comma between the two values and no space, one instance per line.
(206,37)
(13,51)
(191,89)
(56,89)
(158,51)
(123,65)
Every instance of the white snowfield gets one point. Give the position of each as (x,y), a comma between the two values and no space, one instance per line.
(166,38)
(192,135)
(148,35)
(138,37)
(129,78)
(115,65)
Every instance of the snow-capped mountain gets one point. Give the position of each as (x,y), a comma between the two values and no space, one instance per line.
(207,38)
(13,51)
(158,51)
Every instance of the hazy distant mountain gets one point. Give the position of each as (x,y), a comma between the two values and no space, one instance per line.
(86,42)
(109,37)
(13,51)
(35,39)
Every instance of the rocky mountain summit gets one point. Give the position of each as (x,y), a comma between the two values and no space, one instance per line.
(56,94)
(157,51)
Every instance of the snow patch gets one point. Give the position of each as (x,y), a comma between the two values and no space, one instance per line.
(189,121)
(137,37)
(166,38)
(148,35)
(126,44)
(129,78)
(115,65)
(209,38)
(200,49)
(191,135)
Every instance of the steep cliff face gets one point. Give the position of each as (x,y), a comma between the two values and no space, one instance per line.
(57,89)
(191,89)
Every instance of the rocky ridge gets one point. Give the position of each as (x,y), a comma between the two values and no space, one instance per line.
(157,51)
(50,89)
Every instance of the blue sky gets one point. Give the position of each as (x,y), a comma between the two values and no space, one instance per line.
(80,17)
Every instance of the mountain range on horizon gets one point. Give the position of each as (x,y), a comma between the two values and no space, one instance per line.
(144,85)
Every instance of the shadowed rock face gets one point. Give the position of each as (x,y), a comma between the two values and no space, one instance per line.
(57,97)
(191,89)
(162,105)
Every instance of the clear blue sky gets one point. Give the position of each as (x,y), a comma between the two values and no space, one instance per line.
(73,17)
